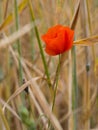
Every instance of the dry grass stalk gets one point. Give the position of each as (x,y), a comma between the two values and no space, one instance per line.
(18,91)
(45,122)
(71,124)
(73,24)
(86,89)
(42,101)
(87,41)
(10,40)
(10,109)
(40,97)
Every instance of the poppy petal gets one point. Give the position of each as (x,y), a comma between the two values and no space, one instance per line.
(58,39)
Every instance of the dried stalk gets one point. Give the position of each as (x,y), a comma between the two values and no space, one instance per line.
(86,89)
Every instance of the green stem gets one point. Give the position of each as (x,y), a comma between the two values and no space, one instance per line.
(55,84)
(32,44)
(74,89)
(18,41)
(40,45)
(4,119)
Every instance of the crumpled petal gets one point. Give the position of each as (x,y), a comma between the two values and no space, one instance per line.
(58,39)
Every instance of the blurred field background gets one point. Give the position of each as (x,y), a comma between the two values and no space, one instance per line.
(27,72)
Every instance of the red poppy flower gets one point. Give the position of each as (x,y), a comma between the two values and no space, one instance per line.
(58,39)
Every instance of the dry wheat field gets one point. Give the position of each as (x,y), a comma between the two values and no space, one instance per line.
(48,65)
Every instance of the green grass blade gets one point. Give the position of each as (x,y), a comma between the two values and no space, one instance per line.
(18,41)
(40,45)
(74,86)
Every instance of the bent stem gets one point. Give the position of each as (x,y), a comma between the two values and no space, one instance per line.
(4,119)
